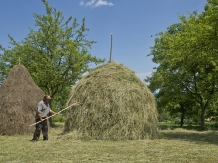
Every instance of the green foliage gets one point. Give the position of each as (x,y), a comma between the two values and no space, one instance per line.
(3,68)
(58,118)
(56,54)
(59,101)
(187,57)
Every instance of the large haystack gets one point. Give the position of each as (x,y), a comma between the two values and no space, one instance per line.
(18,100)
(116,105)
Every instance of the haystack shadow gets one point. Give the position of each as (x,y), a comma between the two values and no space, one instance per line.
(189,133)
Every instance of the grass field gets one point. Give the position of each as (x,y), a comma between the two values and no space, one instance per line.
(180,145)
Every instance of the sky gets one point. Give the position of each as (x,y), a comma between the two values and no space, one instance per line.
(132,24)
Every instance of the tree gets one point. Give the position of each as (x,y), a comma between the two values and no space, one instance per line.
(187,58)
(3,69)
(177,102)
(56,54)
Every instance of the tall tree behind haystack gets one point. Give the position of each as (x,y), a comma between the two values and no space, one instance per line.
(19,96)
(56,54)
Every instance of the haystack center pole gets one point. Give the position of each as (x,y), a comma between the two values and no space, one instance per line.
(57,112)
(111,49)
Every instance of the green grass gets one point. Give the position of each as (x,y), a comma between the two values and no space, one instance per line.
(173,145)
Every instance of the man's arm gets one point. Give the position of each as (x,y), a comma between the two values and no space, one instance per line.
(40,117)
(51,111)
(39,111)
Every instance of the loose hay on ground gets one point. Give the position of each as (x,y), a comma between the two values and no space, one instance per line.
(116,104)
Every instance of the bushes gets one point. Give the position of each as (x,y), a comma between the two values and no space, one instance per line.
(58,118)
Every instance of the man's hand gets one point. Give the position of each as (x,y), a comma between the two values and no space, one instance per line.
(40,117)
(55,113)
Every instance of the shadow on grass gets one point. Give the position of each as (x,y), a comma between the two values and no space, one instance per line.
(57,125)
(189,133)
(173,127)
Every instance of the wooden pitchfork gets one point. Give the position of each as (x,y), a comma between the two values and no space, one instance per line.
(57,112)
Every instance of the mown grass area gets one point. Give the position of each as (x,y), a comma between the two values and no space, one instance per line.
(173,145)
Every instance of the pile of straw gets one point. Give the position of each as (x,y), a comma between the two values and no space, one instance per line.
(19,96)
(116,105)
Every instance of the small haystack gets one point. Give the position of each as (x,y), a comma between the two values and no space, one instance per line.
(116,105)
(18,100)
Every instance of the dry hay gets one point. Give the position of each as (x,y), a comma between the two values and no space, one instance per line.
(18,100)
(116,105)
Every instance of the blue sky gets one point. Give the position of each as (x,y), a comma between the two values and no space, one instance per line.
(131,22)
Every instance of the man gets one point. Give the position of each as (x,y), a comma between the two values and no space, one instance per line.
(42,111)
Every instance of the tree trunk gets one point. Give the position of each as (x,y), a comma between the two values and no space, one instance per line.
(50,119)
(183,110)
(202,117)
(182,118)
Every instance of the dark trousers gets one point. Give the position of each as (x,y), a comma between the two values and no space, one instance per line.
(42,126)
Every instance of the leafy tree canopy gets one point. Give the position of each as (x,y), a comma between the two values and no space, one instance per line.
(187,57)
(56,54)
